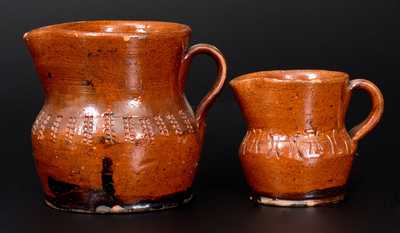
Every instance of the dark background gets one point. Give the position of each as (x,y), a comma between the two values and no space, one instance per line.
(359,37)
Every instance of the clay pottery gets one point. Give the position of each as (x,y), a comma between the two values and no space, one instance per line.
(116,133)
(297,151)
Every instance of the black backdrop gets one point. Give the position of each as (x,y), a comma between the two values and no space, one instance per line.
(359,37)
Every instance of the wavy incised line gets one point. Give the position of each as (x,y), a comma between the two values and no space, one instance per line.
(161,125)
(42,126)
(70,130)
(37,122)
(88,130)
(174,123)
(188,124)
(108,130)
(55,127)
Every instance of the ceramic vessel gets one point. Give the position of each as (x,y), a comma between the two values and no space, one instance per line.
(116,133)
(297,151)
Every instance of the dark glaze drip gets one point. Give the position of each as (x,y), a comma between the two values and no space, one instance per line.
(106,177)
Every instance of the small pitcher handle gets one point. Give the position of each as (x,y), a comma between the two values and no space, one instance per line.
(360,130)
(207,100)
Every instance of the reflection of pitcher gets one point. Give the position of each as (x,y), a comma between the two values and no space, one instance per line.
(116,133)
(297,150)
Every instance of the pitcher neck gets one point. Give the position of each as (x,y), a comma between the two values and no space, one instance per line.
(292,107)
(94,62)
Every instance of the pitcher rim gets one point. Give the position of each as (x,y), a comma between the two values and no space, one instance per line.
(143,28)
(295,75)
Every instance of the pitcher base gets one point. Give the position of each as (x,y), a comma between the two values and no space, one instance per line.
(172,201)
(297,203)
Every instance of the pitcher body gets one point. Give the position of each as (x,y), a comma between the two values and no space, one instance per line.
(116,133)
(297,150)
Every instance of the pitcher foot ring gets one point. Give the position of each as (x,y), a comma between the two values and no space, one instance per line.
(297,203)
(143,206)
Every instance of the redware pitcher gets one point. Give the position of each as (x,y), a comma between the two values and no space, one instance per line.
(116,133)
(297,151)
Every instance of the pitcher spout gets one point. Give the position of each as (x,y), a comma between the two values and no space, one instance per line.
(241,87)
(250,92)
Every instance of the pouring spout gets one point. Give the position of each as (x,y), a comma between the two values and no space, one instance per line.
(250,94)
(33,40)
(235,85)
(27,38)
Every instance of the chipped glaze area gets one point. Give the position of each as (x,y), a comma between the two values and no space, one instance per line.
(116,133)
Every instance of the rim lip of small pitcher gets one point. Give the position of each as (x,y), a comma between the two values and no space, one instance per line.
(271,75)
(156,29)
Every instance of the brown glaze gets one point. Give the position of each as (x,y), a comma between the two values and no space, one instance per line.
(297,146)
(116,129)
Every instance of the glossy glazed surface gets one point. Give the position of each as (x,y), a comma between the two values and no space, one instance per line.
(116,128)
(297,146)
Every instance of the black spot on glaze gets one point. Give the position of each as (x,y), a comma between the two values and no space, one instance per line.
(87,83)
(60,187)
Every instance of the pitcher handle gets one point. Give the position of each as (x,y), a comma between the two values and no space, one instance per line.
(207,100)
(360,130)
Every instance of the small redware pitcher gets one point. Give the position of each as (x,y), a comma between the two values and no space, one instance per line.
(297,151)
(116,133)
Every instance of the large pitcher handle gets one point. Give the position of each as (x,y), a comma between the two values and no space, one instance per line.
(360,130)
(207,100)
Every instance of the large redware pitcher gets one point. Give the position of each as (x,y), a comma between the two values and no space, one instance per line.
(116,133)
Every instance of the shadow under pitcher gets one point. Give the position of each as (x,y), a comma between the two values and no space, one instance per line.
(297,151)
(116,133)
